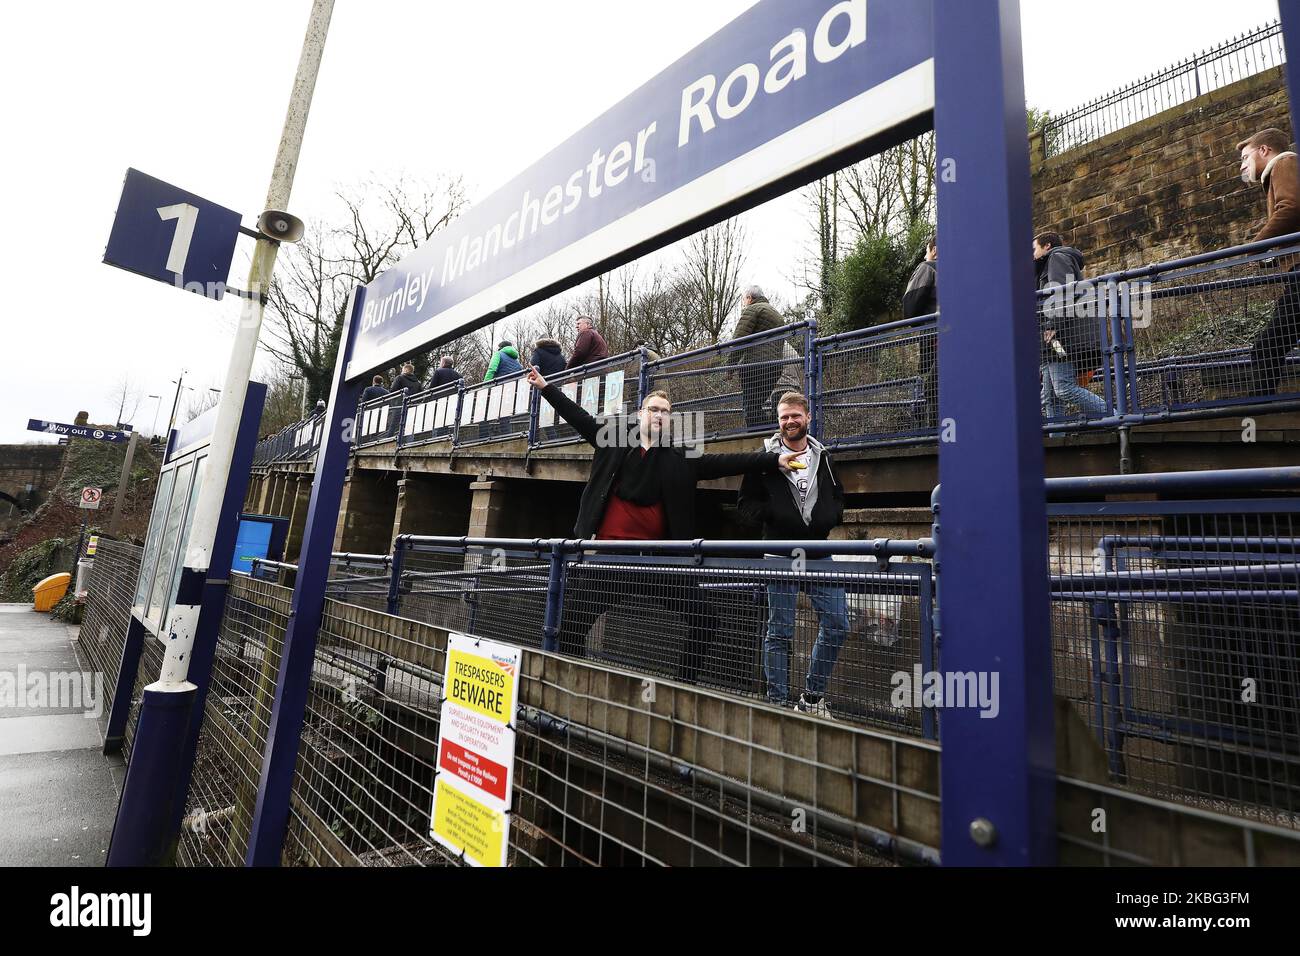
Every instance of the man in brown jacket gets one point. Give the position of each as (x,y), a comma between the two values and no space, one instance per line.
(760,365)
(1266,159)
(589,346)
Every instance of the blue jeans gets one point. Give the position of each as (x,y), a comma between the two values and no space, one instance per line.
(832,630)
(1060,385)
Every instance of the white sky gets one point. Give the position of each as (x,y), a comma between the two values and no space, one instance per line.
(194,94)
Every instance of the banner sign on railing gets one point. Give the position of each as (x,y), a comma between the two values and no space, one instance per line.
(781,88)
(476,750)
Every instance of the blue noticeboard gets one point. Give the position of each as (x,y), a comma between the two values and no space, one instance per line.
(163,232)
(783,93)
(259,536)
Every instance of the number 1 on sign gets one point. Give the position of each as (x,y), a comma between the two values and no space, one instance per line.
(186,216)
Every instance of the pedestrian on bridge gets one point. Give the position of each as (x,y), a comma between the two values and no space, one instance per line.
(642,488)
(548,357)
(1071,343)
(1267,159)
(445,373)
(504,362)
(407,382)
(760,364)
(374,390)
(805,504)
(589,346)
(921,297)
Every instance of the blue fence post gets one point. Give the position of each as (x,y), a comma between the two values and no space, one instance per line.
(554,599)
(284,732)
(1289,14)
(460,400)
(395,577)
(642,378)
(812,373)
(136,635)
(998,774)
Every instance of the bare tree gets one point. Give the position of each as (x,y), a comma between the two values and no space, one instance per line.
(126,397)
(711,264)
(379,224)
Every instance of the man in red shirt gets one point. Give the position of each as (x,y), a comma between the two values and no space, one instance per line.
(641,488)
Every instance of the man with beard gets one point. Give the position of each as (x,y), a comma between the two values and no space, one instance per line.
(641,488)
(1266,159)
(805,503)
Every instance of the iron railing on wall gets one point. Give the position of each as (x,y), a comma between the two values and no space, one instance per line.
(1233,60)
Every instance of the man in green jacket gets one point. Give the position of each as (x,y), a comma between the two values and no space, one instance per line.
(760,365)
(505,361)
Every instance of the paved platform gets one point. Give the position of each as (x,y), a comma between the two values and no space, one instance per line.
(58,792)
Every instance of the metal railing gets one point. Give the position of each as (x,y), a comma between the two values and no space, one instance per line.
(1236,59)
(1197,337)
(110,592)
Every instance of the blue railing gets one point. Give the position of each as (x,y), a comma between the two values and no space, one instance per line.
(1173,341)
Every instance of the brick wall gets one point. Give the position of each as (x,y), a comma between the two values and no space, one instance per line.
(1162,188)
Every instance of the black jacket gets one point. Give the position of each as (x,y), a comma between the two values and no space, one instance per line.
(680,473)
(407,383)
(372,392)
(1075,328)
(443,376)
(922,294)
(768,500)
(548,357)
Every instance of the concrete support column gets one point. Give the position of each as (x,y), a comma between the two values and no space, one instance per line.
(429,504)
(487,515)
(297,501)
(366,513)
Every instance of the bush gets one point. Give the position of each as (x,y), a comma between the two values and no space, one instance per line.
(30,567)
(870,280)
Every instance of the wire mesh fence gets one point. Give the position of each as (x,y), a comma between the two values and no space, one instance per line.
(611,769)
(766,627)
(1234,60)
(1217,334)
(1176,635)
(879,385)
(110,591)
(733,387)
(431,415)
(236,715)
(379,420)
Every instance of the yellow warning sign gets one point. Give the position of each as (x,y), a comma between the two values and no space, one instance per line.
(461,822)
(482,683)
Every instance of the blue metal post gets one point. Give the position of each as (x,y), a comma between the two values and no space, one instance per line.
(812,377)
(271,812)
(642,378)
(997,774)
(554,599)
(395,574)
(1289,13)
(125,689)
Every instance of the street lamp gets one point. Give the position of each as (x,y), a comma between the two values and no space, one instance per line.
(153,429)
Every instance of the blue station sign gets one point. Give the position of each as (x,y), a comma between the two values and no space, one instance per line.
(163,232)
(787,91)
(77,431)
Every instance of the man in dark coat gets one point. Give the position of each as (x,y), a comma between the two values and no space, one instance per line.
(1070,338)
(1266,159)
(589,346)
(548,357)
(445,374)
(407,382)
(641,488)
(802,505)
(760,365)
(374,390)
(922,298)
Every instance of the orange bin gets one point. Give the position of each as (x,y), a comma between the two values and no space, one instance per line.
(50,591)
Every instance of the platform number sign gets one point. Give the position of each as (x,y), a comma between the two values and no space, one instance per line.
(165,233)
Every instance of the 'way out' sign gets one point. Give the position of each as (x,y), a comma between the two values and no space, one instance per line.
(76,431)
(785,92)
(476,750)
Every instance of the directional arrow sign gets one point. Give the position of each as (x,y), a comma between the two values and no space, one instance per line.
(163,232)
(76,431)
